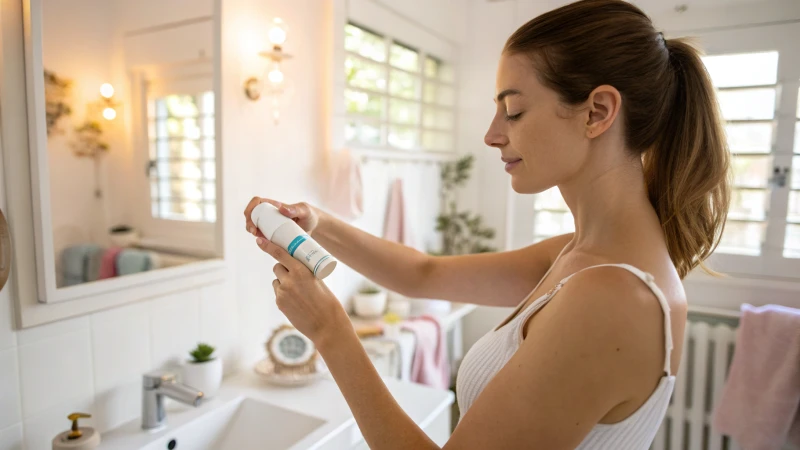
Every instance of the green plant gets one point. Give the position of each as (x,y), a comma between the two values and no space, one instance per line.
(202,353)
(462,232)
(369,290)
(56,106)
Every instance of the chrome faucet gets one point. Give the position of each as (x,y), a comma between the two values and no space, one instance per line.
(157,385)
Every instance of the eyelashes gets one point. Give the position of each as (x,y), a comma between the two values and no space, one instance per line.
(513,118)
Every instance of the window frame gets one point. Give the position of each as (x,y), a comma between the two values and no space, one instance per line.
(384,123)
(185,237)
(782,38)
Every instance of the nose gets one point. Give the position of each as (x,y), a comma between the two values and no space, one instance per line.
(495,135)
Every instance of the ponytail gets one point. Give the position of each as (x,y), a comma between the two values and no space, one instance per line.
(670,110)
(687,169)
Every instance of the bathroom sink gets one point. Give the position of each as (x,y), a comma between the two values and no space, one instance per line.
(242,424)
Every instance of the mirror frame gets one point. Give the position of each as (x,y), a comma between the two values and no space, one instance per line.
(131,287)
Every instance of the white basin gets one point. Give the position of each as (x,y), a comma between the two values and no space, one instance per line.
(249,414)
(242,424)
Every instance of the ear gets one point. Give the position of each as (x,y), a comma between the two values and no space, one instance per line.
(604,105)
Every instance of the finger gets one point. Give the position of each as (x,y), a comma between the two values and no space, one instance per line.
(281,255)
(249,225)
(280,272)
(275,285)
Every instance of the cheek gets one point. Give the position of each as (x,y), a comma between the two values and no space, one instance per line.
(549,148)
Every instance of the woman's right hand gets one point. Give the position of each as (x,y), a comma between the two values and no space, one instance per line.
(304,214)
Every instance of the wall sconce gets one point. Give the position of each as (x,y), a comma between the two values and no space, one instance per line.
(273,83)
(105,106)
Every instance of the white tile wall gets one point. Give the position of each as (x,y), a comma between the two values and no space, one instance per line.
(55,370)
(10,413)
(175,328)
(219,320)
(11,437)
(121,354)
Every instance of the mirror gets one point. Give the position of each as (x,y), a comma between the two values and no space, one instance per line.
(130,110)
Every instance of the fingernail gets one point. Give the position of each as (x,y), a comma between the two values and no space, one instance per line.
(259,241)
(290,210)
(251,230)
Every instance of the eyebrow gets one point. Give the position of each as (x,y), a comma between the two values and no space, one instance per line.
(506,93)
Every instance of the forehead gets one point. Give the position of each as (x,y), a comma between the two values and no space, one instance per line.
(516,72)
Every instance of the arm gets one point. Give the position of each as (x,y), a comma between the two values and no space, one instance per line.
(493,279)
(547,396)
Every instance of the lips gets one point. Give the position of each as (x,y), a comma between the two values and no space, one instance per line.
(511,163)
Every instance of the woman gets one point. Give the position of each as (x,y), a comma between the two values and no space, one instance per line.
(592,99)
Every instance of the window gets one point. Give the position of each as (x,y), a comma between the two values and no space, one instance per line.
(791,245)
(396,96)
(746,90)
(182,157)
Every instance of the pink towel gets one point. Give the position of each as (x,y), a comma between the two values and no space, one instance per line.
(345,196)
(760,400)
(429,366)
(395,227)
(108,265)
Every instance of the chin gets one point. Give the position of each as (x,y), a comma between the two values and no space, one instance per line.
(523,186)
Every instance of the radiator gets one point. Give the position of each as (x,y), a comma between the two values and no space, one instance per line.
(704,367)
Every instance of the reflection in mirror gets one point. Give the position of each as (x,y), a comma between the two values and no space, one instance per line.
(131,136)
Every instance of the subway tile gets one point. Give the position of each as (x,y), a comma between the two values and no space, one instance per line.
(218,322)
(11,437)
(51,330)
(174,328)
(121,355)
(10,412)
(8,338)
(55,370)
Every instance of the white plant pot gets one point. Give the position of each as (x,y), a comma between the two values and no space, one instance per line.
(205,376)
(370,305)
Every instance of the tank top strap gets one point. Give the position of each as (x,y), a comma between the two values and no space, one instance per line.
(650,281)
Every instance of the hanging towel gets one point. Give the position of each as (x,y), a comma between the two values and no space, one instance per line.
(395,226)
(760,400)
(345,193)
(108,265)
(74,261)
(429,366)
(132,261)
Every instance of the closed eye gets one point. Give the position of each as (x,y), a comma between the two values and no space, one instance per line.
(514,117)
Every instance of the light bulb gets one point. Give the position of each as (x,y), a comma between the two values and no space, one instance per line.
(106,90)
(109,113)
(277,33)
(275,76)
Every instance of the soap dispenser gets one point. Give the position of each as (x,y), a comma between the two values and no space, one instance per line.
(78,438)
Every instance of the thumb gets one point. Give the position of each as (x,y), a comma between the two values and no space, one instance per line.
(281,255)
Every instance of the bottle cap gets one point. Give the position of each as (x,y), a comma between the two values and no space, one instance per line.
(325,267)
(267,218)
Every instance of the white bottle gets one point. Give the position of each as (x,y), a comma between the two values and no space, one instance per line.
(284,232)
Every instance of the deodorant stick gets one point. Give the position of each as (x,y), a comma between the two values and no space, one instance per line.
(284,232)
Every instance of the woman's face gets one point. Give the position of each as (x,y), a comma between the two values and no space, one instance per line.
(542,143)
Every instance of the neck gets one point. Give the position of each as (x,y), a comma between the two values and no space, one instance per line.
(608,203)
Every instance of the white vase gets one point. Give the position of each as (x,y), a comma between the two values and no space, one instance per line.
(370,305)
(205,376)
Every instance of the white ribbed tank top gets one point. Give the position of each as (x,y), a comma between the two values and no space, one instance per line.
(492,352)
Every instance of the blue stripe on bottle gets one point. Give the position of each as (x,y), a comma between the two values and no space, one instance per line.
(320,262)
(296,243)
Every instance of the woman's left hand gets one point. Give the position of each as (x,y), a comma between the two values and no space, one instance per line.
(306,301)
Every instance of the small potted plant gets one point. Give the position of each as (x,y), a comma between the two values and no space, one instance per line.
(370,301)
(203,372)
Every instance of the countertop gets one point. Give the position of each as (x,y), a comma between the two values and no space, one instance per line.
(321,399)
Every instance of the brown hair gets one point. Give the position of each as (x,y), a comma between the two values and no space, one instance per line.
(669,109)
